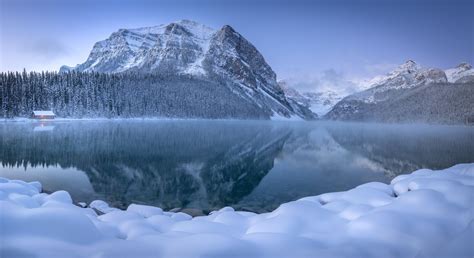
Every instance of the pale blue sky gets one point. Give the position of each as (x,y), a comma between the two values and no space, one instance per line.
(298,38)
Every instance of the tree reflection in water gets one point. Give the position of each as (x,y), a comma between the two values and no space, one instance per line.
(207,165)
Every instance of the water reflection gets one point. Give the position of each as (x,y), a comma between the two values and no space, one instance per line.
(210,164)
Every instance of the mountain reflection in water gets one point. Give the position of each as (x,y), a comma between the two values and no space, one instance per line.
(250,165)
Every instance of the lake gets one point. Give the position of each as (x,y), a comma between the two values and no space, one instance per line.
(207,165)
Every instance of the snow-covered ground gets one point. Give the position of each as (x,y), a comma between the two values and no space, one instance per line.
(423,214)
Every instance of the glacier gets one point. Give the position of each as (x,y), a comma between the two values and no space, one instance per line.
(423,214)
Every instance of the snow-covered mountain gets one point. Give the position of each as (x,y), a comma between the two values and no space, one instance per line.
(461,73)
(319,102)
(405,76)
(189,48)
(412,93)
(179,46)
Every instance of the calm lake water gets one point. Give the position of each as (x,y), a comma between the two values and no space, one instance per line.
(255,165)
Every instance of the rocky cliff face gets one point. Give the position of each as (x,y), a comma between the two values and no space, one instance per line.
(189,48)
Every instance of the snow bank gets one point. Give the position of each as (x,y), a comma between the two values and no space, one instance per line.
(424,214)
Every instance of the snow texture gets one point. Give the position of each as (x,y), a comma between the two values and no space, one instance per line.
(423,214)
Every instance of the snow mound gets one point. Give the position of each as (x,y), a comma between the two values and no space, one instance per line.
(424,214)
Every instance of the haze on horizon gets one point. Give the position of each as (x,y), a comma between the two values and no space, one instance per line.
(302,40)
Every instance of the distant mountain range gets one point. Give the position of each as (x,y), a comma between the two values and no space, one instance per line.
(187,48)
(332,103)
(412,93)
(320,102)
(224,66)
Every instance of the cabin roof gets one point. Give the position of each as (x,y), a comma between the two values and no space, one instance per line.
(43,113)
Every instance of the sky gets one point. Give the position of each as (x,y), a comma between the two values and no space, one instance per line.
(303,41)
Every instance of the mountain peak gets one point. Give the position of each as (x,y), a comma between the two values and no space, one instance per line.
(409,66)
(405,76)
(227,32)
(228,28)
(463,72)
(464,66)
(193,27)
(187,47)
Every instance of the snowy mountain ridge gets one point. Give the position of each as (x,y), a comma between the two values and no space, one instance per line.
(318,102)
(190,48)
(148,47)
(412,93)
(405,76)
(462,73)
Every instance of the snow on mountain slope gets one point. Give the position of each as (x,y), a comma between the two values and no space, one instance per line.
(322,102)
(318,102)
(189,48)
(180,46)
(461,73)
(411,93)
(405,76)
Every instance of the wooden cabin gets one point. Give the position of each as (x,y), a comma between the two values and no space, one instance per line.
(43,114)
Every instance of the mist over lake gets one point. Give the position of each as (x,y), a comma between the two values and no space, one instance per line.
(210,164)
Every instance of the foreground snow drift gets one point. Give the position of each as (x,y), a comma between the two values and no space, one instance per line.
(424,214)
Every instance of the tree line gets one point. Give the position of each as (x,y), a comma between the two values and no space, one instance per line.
(132,94)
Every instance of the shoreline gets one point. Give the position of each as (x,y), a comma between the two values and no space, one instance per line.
(171,119)
(426,212)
